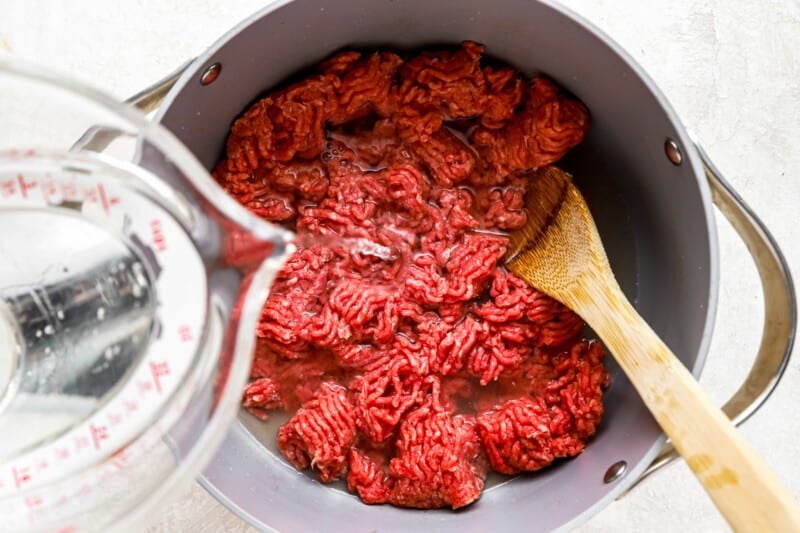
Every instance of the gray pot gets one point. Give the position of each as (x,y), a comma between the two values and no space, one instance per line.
(647,185)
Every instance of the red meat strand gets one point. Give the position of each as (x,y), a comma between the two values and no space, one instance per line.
(439,463)
(320,433)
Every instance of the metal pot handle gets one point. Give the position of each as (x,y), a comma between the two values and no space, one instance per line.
(780,305)
(97,138)
(780,308)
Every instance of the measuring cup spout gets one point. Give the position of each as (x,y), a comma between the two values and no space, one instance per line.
(219,225)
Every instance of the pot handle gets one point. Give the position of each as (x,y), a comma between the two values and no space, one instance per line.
(780,308)
(97,138)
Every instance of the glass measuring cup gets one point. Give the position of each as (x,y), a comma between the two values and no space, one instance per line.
(130,286)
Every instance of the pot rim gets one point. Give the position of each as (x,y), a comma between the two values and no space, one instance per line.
(691,157)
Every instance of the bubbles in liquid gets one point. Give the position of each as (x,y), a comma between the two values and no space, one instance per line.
(332,152)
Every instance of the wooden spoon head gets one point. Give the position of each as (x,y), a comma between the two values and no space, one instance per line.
(559,243)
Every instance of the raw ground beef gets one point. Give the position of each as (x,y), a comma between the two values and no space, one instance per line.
(412,359)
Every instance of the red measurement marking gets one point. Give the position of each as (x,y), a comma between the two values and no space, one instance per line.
(105,200)
(99,433)
(49,189)
(114,418)
(81,442)
(16,153)
(130,405)
(68,529)
(21,475)
(144,386)
(42,464)
(120,459)
(25,186)
(158,370)
(33,501)
(158,235)
(62,453)
(8,188)
(186,333)
(91,196)
(69,191)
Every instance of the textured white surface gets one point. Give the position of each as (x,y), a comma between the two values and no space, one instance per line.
(731,68)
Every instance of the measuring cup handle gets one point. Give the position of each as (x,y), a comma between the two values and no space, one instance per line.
(97,138)
(780,308)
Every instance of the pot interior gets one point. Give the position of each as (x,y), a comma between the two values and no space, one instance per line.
(653,217)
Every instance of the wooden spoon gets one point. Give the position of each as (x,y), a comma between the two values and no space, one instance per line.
(560,253)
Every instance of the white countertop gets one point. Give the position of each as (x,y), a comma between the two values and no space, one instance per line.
(730,68)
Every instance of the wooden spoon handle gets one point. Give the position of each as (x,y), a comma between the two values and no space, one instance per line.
(743,487)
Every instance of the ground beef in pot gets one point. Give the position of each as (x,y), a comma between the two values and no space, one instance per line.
(412,359)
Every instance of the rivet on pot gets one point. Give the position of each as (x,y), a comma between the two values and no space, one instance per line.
(615,471)
(673,152)
(211,74)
